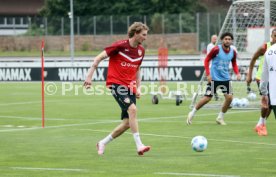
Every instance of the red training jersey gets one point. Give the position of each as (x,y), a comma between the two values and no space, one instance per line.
(124,62)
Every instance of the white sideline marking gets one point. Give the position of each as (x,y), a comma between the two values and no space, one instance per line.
(59,126)
(21,126)
(183,137)
(112,121)
(141,119)
(8,126)
(48,169)
(184,116)
(193,174)
(30,118)
(27,102)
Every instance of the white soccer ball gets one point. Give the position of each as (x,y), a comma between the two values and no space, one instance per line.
(251,96)
(199,143)
(235,102)
(244,102)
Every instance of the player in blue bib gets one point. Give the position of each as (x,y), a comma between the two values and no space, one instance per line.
(219,76)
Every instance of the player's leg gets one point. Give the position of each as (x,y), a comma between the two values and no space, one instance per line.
(204,100)
(133,124)
(121,128)
(127,102)
(226,88)
(227,102)
(224,108)
(260,127)
(268,111)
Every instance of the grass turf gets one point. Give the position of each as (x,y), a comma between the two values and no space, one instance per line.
(75,122)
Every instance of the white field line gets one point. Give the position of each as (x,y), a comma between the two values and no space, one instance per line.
(30,118)
(49,169)
(59,126)
(193,174)
(111,121)
(185,137)
(141,119)
(19,103)
(26,102)
(39,118)
(31,102)
(199,115)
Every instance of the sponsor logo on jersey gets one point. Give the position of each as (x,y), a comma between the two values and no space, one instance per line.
(126,64)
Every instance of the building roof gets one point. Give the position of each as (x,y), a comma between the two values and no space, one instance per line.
(20,7)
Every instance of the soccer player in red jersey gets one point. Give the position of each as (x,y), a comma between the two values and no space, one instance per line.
(123,78)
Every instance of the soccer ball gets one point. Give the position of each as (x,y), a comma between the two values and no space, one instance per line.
(251,96)
(244,102)
(199,143)
(235,102)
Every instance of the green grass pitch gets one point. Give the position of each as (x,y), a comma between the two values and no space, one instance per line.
(76,121)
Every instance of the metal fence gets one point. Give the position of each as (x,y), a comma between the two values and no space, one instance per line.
(204,24)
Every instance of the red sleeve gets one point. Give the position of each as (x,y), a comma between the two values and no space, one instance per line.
(213,53)
(234,63)
(113,49)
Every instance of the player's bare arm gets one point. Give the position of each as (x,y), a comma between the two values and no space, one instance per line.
(209,78)
(87,83)
(256,55)
(138,84)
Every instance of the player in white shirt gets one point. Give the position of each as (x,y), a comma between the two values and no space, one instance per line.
(269,79)
(210,46)
(212,43)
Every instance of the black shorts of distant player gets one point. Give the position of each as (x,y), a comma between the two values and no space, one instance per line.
(124,98)
(224,86)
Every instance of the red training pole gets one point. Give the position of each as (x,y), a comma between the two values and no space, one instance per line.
(162,64)
(42,81)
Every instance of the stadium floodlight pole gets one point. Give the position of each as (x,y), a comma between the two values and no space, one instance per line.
(71,16)
(267,20)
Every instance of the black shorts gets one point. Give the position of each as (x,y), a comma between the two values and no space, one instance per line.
(124,98)
(258,83)
(224,86)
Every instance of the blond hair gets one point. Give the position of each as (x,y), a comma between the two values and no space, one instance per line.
(136,27)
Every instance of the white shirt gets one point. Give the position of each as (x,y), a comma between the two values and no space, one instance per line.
(269,74)
(235,48)
(209,47)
